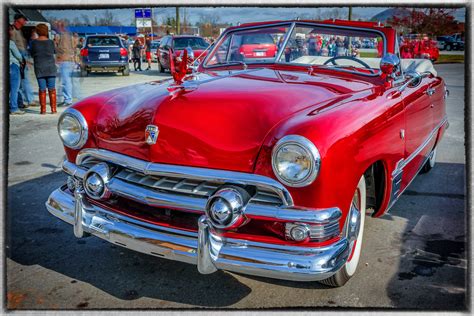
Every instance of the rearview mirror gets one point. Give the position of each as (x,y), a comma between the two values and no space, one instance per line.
(390,65)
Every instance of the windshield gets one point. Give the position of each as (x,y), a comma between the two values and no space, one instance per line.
(307,44)
(193,42)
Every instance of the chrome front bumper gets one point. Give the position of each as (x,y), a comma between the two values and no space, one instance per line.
(207,250)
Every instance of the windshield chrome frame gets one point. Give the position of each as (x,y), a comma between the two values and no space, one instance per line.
(225,33)
(285,42)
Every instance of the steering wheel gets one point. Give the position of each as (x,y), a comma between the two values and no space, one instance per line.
(333,61)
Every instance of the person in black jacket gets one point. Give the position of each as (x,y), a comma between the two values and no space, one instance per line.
(136,52)
(42,50)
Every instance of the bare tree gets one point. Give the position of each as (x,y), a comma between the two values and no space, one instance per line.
(208,25)
(85,19)
(107,19)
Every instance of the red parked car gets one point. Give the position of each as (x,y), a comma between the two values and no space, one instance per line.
(258,166)
(260,45)
(178,43)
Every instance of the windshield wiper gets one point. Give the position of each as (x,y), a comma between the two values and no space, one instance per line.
(234,62)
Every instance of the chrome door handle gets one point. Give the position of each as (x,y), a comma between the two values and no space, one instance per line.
(430,91)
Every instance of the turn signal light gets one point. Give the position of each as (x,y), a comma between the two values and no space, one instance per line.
(302,232)
(297,231)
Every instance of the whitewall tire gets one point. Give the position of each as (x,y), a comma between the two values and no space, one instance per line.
(349,269)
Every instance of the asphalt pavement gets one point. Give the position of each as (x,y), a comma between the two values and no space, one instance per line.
(412,258)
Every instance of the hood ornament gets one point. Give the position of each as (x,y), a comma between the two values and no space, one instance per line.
(178,73)
(151,134)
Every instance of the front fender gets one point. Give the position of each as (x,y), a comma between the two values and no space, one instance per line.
(350,137)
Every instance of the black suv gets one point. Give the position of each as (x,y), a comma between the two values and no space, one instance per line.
(104,53)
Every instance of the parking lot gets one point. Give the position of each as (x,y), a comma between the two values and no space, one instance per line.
(412,258)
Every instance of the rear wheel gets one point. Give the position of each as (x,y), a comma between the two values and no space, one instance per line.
(349,269)
(430,163)
(126,71)
(84,72)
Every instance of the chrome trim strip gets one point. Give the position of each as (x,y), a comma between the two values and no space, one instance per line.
(422,146)
(212,175)
(394,196)
(322,216)
(205,249)
(198,205)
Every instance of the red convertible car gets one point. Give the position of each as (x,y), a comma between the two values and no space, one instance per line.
(262,166)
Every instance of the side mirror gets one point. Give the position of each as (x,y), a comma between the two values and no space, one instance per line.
(390,65)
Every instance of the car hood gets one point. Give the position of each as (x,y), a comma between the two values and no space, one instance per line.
(219,121)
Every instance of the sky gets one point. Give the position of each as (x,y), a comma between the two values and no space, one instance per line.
(232,15)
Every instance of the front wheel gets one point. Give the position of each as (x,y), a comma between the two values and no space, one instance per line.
(349,269)
(160,67)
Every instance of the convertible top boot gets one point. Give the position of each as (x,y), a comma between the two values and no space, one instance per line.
(42,100)
(52,100)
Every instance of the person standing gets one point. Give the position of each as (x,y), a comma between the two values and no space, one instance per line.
(15,77)
(148,52)
(20,42)
(42,51)
(65,56)
(136,52)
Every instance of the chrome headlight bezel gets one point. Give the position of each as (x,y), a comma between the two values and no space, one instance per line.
(84,130)
(312,153)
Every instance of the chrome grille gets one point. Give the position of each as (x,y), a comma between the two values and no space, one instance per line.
(191,187)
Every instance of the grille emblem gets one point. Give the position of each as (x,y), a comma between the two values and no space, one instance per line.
(151,134)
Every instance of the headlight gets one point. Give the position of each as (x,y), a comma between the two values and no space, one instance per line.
(72,129)
(295,161)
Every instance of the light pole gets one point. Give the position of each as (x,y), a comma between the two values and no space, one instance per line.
(177,21)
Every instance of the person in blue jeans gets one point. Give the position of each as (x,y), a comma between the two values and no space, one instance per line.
(21,44)
(42,50)
(15,76)
(65,57)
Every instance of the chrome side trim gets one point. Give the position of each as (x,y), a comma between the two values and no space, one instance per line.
(423,145)
(212,175)
(398,171)
(188,203)
(205,249)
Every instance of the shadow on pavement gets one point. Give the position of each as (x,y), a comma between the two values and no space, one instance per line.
(432,268)
(35,237)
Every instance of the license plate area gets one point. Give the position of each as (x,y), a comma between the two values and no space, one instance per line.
(104,56)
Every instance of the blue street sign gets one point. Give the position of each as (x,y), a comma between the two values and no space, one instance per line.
(138,13)
(147,13)
(143,13)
